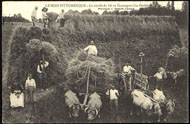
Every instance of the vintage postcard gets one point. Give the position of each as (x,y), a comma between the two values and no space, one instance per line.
(95,61)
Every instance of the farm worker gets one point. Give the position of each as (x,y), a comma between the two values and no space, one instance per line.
(160,76)
(127,72)
(92,50)
(42,73)
(45,16)
(113,96)
(61,18)
(16,95)
(30,87)
(34,15)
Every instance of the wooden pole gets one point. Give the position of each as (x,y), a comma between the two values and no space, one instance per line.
(141,72)
(86,96)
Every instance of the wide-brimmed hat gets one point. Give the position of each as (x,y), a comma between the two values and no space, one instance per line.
(45,9)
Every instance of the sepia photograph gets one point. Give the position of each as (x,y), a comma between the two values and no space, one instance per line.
(95,61)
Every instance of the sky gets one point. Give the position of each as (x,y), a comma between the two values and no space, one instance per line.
(9,8)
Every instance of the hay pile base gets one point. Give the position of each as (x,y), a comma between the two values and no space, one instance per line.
(101,72)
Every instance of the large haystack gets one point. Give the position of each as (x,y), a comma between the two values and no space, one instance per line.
(124,37)
(120,38)
(27,48)
(101,72)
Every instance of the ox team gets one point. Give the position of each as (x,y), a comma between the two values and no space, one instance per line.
(158,104)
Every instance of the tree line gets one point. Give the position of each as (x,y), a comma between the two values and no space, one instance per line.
(14,18)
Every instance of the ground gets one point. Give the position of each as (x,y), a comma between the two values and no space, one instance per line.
(50,104)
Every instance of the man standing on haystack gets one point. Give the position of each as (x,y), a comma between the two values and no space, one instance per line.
(42,74)
(127,72)
(34,15)
(45,16)
(92,50)
(61,18)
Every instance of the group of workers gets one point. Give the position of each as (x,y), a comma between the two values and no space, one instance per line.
(30,84)
(113,93)
(45,17)
(17,90)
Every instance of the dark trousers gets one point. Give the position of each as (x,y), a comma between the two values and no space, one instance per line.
(114,107)
(159,84)
(62,22)
(45,21)
(33,20)
(31,94)
(43,80)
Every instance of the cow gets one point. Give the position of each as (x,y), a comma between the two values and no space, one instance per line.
(145,103)
(167,106)
(93,107)
(73,104)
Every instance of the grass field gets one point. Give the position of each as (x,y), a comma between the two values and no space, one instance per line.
(50,104)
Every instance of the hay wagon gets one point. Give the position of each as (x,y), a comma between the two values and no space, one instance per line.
(87,73)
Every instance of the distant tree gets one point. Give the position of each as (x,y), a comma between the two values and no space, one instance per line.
(95,13)
(155,4)
(19,15)
(124,13)
(168,5)
(184,6)
(15,16)
(173,8)
(105,12)
(115,12)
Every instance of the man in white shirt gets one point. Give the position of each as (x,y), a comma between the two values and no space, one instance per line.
(42,73)
(91,49)
(113,95)
(45,16)
(127,72)
(30,87)
(61,18)
(34,15)
(160,76)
